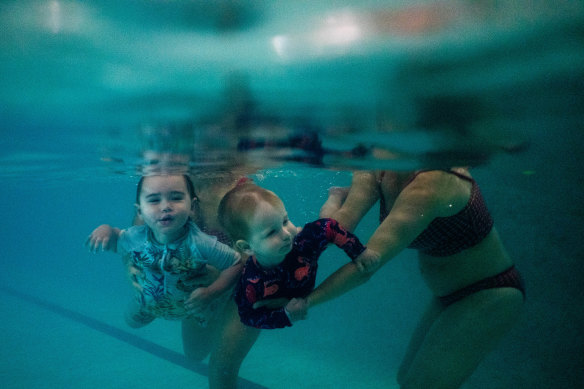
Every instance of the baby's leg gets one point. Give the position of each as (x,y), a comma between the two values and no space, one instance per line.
(336,198)
(460,337)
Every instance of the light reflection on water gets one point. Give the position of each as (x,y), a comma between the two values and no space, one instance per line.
(291,91)
(396,85)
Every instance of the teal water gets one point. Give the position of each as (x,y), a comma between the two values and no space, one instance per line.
(82,83)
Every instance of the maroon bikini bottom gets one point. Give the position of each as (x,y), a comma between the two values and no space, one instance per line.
(509,278)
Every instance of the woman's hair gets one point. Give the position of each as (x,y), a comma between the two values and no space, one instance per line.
(188,182)
(238,207)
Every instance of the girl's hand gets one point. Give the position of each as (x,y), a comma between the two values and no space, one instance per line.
(104,236)
(369,261)
(297,309)
(135,275)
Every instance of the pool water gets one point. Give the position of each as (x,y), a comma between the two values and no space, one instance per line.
(77,106)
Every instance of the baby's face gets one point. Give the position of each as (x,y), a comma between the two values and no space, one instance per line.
(272,234)
(165,206)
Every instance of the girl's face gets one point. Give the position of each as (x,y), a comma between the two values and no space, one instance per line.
(272,234)
(165,206)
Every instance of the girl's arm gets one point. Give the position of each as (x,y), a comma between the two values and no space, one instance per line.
(105,236)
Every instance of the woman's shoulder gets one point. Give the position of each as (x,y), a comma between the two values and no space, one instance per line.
(439,180)
(445,189)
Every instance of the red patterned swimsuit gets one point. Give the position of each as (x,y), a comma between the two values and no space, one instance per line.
(294,277)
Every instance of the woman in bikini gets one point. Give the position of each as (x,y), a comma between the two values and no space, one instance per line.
(477,291)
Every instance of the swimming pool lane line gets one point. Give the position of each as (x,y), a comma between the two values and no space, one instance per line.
(124,336)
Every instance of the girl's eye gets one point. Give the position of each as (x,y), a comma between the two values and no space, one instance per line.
(153,201)
(176,196)
(272,232)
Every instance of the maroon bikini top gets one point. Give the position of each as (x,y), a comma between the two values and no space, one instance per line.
(450,235)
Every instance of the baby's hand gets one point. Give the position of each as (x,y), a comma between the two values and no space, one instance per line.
(297,309)
(271,303)
(369,261)
(104,236)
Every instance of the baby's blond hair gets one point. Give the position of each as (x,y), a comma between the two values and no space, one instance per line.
(238,207)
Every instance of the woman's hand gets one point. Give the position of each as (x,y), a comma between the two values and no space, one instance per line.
(297,309)
(369,261)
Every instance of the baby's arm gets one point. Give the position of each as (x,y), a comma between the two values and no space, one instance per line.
(296,308)
(342,238)
(105,236)
(266,318)
(219,256)
(203,296)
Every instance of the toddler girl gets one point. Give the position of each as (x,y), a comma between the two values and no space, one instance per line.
(168,255)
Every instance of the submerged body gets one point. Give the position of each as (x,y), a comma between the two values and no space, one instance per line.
(169,273)
(294,277)
(477,291)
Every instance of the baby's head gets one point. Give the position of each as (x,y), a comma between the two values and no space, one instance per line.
(238,207)
(257,221)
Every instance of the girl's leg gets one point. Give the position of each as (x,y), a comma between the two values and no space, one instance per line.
(198,340)
(235,341)
(460,337)
(135,316)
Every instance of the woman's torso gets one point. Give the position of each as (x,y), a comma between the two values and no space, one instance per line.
(446,274)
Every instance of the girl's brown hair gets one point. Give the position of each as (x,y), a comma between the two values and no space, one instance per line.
(188,182)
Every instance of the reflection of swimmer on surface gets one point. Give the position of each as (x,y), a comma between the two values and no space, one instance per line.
(312,151)
(309,143)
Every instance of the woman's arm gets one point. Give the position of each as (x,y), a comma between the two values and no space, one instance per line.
(415,207)
(420,202)
(361,197)
(340,282)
